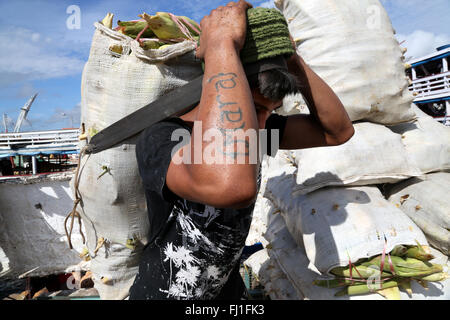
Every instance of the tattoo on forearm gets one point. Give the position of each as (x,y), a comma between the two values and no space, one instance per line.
(230,114)
(223,104)
(226,81)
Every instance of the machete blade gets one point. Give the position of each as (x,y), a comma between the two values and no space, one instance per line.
(173,104)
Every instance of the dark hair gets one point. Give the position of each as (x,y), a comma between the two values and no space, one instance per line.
(274,84)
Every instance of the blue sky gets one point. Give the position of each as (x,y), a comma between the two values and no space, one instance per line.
(40,54)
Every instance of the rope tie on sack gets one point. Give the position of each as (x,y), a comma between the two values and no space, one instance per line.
(101,241)
(382,262)
(138,37)
(184,29)
(74,214)
(350,264)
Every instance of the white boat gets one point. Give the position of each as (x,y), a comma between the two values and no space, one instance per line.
(430,83)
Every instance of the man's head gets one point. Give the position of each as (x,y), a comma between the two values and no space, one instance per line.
(268,89)
(267,45)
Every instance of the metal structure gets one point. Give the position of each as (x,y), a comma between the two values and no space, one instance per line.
(430,83)
(23,114)
(39,143)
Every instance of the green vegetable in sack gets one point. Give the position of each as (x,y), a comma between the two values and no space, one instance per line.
(133,28)
(166,28)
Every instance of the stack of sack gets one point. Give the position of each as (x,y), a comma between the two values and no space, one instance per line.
(324,210)
(124,73)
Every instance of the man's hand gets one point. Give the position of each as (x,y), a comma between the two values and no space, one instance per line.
(224,26)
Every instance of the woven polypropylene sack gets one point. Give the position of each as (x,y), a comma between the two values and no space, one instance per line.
(351,45)
(427,142)
(292,260)
(276,284)
(373,155)
(341,224)
(425,200)
(113,206)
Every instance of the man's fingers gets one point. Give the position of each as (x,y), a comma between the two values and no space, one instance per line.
(245,4)
(241,3)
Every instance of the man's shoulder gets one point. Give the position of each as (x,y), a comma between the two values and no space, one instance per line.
(155,144)
(169,124)
(160,131)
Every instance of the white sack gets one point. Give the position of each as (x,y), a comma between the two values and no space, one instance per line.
(4,264)
(427,142)
(276,285)
(373,155)
(32,236)
(114,205)
(259,221)
(301,272)
(270,167)
(351,45)
(425,200)
(338,224)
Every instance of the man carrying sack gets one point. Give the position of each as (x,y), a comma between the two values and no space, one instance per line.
(200,211)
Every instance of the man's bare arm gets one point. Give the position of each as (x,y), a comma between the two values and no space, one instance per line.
(226,105)
(328,123)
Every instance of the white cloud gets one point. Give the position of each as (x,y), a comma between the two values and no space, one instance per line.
(25,57)
(268,4)
(58,118)
(410,15)
(421,43)
(35,37)
(26,91)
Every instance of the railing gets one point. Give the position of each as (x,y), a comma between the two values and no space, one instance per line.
(36,140)
(433,86)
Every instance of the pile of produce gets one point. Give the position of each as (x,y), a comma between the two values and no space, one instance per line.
(403,265)
(158,31)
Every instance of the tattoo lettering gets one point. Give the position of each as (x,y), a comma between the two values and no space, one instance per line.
(227,81)
(223,104)
(231,114)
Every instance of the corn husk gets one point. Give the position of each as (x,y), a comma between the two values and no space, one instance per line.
(358,272)
(151,44)
(165,28)
(108,20)
(399,251)
(133,28)
(405,267)
(390,293)
(364,288)
(435,277)
(420,252)
(335,283)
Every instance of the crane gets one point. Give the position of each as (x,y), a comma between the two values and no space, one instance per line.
(23,114)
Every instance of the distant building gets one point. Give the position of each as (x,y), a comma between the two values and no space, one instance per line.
(31,153)
(430,85)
